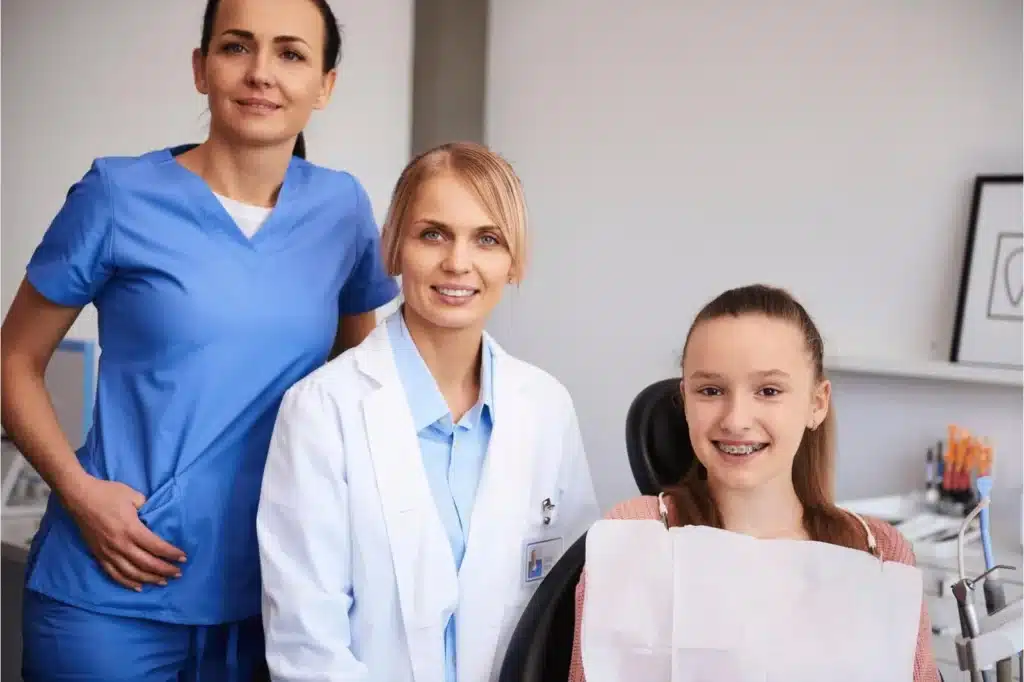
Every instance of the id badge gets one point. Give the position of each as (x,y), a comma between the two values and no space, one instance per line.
(539,557)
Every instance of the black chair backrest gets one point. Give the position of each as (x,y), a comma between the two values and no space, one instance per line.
(540,649)
(657,439)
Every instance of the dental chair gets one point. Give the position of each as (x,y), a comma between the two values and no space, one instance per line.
(657,439)
(658,447)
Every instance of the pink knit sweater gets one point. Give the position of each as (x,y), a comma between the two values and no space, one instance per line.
(891,544)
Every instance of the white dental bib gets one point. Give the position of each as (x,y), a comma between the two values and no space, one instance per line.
(700,604)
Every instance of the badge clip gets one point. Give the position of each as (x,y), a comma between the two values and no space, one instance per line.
(547,506)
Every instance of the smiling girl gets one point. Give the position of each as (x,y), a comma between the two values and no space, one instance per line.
(757,405)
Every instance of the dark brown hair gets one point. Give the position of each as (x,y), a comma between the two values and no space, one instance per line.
(332,47)
(814,464)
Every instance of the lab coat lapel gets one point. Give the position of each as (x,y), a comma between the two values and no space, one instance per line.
(489,577)
(424,566)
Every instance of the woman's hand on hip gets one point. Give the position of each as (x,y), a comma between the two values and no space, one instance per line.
(107,513)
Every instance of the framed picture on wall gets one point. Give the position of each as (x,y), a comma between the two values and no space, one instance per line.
(989,328)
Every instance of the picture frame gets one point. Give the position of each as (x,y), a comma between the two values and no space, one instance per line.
(989,326)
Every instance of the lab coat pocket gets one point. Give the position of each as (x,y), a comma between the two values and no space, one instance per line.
(162,514)
(511,615)
(713,665)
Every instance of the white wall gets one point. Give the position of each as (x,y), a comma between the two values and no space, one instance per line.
(87,79)
(671,150)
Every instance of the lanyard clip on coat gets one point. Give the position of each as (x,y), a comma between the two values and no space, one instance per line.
(547,508)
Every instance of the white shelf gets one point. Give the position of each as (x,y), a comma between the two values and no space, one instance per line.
(928,370)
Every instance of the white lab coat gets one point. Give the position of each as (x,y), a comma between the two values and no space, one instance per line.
(358,575)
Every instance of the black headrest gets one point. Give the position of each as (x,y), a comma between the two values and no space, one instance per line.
(657,440)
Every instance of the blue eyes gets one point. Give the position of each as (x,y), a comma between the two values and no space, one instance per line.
(437,235)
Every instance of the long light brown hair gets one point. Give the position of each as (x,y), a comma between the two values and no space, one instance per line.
(814,463)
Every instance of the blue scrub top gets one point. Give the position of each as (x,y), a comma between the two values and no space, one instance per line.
(201,331)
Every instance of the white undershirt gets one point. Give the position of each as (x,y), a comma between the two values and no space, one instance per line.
(248,217)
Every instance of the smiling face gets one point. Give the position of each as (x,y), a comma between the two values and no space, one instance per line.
(750,393)
(263,71)
(453,259)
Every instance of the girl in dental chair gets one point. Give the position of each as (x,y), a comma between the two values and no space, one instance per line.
(748,597)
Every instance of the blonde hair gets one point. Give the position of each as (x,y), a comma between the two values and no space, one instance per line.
(485,173)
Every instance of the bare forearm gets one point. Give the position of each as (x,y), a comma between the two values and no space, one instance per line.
(31,422)
(352,330)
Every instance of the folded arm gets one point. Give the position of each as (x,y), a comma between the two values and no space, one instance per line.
(305,545)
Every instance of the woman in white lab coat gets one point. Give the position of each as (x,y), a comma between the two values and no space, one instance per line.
(421,485)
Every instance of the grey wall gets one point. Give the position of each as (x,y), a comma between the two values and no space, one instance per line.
(449,72)
(674,151)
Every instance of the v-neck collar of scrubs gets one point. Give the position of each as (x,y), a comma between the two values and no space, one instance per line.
(211,214)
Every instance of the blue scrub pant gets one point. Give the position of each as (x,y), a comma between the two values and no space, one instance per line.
(63,643)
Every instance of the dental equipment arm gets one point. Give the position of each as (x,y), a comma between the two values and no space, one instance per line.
(991,640)
(1000,636)
(995,594)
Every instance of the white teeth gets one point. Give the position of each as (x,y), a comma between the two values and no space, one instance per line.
(457,293)
(740,449)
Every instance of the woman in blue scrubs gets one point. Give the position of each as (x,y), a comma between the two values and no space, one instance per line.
(222,274)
